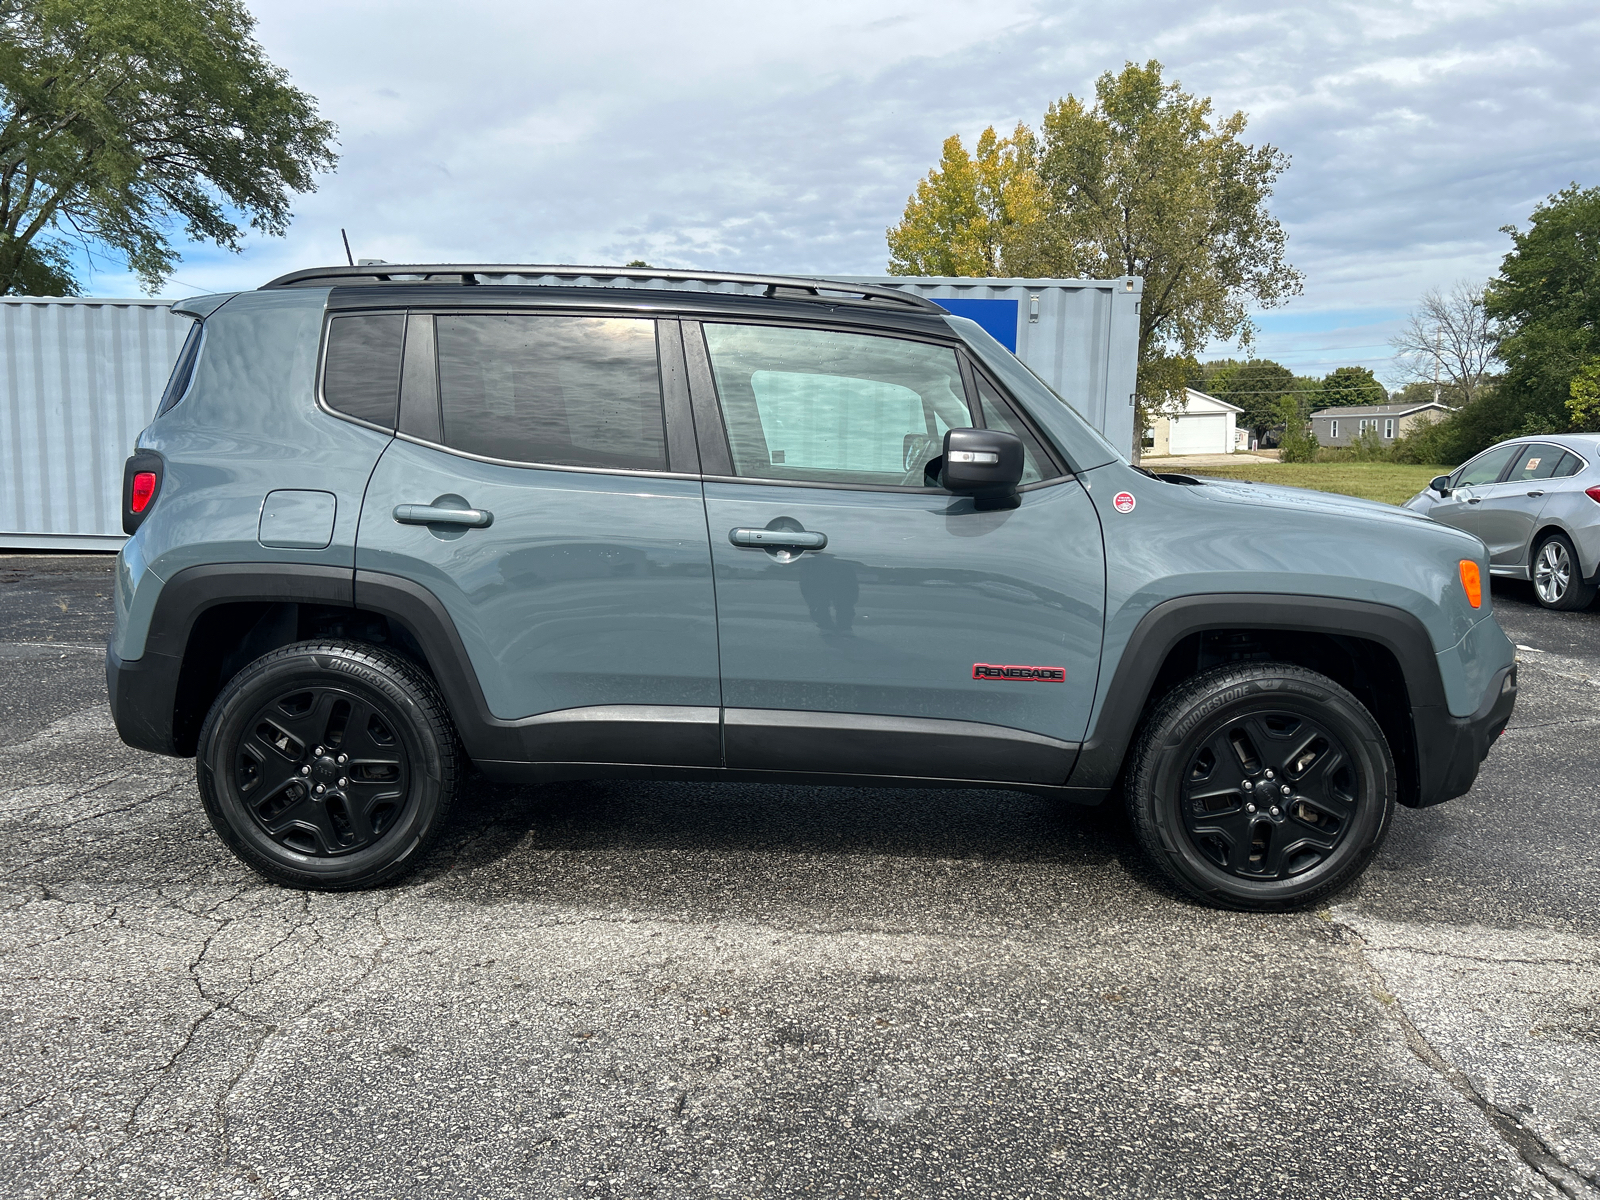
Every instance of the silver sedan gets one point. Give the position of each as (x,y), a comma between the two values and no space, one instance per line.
(1535,502)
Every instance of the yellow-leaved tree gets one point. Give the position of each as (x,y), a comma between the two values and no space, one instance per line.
(1144,181)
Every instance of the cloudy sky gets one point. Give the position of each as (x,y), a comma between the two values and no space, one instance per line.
(787,136)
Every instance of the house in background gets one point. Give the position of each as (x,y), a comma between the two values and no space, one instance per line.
(1341,426)
(1205,425)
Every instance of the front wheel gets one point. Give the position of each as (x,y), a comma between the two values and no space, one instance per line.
(1557,578)
(328,765)
(1261,786)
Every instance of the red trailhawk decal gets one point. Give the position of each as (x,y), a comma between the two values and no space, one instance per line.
(1123,502)
(1019,673)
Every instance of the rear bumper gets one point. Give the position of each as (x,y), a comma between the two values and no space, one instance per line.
(142,692)
(1449,749)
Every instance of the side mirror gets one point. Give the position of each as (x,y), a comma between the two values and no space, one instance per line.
(985,464)
(1440,484)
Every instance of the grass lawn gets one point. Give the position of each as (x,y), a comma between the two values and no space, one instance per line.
(1393,483)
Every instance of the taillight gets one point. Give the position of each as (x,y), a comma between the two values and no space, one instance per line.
(144,486)
(1593,494)
(1472,582)
(141,487)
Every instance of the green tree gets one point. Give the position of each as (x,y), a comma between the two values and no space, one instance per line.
(1298,443)
(120,119)
(965,215)
(1583,400)
(1345,387)
(1147,182)
(1546,299)
(1259,387)
(1144,181)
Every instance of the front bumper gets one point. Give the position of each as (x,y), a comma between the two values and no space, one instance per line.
(1449,749)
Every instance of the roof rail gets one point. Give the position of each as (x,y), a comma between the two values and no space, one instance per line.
(790,286)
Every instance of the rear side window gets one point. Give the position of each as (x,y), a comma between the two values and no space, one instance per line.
(1538,461)
(361,377)
(1486,467)
(1571,464)
(566,391)
(811,404)
(182,371)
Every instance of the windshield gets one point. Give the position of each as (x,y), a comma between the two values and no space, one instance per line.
(1084,446)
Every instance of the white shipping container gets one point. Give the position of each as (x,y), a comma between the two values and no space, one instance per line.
(79,378)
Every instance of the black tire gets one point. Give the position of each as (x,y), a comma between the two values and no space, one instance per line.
(1558,577)
(322,821)
(1257,722)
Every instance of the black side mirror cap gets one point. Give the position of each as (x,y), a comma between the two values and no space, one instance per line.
(983,463)
(1440,484)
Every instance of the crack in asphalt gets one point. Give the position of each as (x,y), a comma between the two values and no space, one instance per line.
(1528,1145)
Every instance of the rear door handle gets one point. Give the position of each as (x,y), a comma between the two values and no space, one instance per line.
(428,514)
(787,539)
(1539,493)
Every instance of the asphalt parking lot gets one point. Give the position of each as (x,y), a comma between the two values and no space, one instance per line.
(632,990)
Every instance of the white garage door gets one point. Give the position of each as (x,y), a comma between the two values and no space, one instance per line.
(1200,434)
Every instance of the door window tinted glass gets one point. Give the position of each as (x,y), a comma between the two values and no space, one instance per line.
(1538,461)
(362,373)
(997,414)
(811,404)
(1571,464)
(1486,467)
(569,391)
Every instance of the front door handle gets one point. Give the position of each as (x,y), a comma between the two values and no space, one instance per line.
(429,514)
(1474,499)
(778,539)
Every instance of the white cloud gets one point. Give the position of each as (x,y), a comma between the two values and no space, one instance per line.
(787,137)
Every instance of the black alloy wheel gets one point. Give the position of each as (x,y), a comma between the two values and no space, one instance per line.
(1261,786)
(328,765)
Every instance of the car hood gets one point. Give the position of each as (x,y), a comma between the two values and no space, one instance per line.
(1267,495)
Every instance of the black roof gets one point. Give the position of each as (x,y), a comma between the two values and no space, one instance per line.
(788,287)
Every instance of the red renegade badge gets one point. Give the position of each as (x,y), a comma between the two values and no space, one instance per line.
(1123,502)
(1019,673)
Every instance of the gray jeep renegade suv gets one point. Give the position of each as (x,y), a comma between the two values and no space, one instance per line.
(751,529)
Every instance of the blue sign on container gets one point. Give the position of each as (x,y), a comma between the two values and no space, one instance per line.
(998,317)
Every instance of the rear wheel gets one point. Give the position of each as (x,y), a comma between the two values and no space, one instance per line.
(328,765)
(1261,786)
(1557,577)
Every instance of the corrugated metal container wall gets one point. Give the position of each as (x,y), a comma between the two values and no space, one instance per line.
(80,379)
(1081,336)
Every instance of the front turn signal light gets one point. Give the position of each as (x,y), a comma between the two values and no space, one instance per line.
(1472,582)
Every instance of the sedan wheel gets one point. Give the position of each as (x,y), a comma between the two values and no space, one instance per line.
(1557,580)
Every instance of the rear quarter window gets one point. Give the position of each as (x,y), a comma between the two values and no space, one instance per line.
(361,374)
(182,370)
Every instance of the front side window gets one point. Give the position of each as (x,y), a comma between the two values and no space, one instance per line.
(1486,467)
(361,377)
(563,391)
(828,407)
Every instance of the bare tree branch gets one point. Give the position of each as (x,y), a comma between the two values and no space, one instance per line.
(1449,338)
